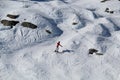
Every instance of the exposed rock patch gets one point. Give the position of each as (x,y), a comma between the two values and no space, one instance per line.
(9,22)
(29,25)
(12,16)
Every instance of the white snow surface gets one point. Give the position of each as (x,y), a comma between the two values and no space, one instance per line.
(28,54)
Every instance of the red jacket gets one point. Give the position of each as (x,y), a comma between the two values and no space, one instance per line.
(58,44)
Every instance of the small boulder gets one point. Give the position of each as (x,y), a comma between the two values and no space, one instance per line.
(111,12)
(74,23)
(48,31)
(91,51)
(107,10)
(105,0)
(12,16)
(29,25)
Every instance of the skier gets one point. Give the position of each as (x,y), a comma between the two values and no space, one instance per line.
(57,46)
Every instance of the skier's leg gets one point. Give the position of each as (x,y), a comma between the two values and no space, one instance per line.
(56,49)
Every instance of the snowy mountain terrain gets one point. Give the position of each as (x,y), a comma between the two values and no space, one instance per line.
(27,53)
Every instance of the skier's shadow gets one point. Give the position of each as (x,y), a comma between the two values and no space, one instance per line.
(67,51)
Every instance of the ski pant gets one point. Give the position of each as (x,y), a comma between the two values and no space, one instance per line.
(57,48)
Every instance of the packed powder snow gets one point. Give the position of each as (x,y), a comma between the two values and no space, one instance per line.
(30,30)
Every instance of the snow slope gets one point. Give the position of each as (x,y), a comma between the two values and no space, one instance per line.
(28,54)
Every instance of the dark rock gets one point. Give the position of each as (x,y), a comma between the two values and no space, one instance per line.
(24,19)
(91,51)
(9,23)
(105,0)
(111,12)
(74,23)
(107,10)
(29,25)
(48,31)
(12,16)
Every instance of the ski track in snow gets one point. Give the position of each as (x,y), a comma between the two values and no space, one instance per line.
(27,54)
